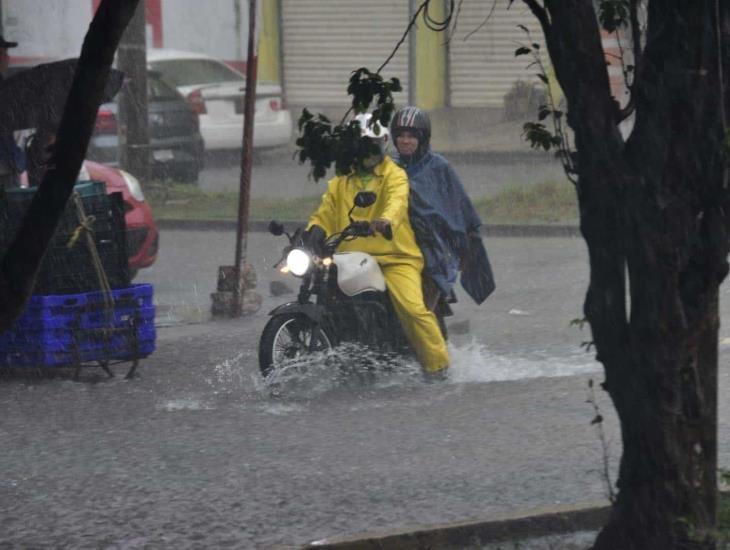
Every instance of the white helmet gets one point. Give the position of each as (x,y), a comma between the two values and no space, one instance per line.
(374,130)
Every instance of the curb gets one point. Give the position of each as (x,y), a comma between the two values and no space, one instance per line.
(260,226)
(539,523)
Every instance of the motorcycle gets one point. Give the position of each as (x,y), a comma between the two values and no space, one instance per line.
(342,299)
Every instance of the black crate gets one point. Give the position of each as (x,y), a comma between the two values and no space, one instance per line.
(67,270)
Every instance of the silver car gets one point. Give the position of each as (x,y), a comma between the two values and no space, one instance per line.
(216,93)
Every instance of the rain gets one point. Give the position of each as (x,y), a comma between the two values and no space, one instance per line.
(148,399)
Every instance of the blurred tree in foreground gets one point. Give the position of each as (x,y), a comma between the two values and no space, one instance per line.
(654,211)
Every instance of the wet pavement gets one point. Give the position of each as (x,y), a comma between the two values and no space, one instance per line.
(195,453)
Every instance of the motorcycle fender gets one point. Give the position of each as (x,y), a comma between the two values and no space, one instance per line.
(313,311)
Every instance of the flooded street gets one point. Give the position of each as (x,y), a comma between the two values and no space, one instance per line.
(454,144)
(196,453)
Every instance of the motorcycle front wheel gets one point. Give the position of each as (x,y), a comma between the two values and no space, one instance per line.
(288,337)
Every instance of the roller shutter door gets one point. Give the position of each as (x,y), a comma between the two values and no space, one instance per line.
(483,67)
(325,40)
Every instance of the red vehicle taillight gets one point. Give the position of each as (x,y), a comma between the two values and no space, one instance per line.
(106,122)
(196,102)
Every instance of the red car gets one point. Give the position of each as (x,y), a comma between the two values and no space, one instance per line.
(142,234)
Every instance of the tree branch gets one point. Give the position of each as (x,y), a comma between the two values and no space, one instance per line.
(635,33)
(539,12)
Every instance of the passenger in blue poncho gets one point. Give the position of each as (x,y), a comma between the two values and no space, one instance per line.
(443,217)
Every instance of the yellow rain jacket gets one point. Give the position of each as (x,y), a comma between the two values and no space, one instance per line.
(400,259)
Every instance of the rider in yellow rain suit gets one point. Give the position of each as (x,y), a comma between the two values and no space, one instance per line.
(400,258)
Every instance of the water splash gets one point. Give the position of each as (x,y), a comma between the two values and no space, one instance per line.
(184,404)
(353,367)
(235,374)
(350,366)
(474,362)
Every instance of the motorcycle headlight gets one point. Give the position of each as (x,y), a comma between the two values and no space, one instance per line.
(298,262)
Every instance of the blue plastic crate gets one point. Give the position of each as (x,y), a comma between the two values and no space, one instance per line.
(117,350)
(121,316)
(33,323)
(67,340)
(47,306)
(61,329)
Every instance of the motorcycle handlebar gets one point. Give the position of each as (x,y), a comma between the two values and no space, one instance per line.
(356,229)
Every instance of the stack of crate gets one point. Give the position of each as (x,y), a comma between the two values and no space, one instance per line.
(68,270)
(71,329)
(69,320)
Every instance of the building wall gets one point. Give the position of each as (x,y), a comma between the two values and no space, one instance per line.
(56,28)
(45,28)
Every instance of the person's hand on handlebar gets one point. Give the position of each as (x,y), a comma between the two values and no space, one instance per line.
(383,227)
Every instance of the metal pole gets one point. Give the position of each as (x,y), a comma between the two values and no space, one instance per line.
(244,197)
(134,132)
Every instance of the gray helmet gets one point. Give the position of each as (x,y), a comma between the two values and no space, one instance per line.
(414,120)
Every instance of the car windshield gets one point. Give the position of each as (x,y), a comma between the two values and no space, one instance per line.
(186,72)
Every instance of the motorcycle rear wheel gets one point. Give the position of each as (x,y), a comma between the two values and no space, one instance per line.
(287,337)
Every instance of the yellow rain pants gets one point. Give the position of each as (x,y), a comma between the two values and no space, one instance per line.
(400,259)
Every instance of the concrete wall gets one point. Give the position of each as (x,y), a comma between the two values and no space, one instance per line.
(56,28)
(46,28)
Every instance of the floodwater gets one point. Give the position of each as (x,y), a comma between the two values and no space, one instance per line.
(197,453)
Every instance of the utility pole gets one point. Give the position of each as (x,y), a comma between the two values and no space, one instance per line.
(228,301)
(134,144)
(244,194)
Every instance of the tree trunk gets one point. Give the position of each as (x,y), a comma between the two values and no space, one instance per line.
(21,261)
(655,208)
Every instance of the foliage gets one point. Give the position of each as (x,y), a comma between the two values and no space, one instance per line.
(324,144)
(598,423)
(537,134)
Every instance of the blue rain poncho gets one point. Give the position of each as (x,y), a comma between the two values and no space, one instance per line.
(446,227)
